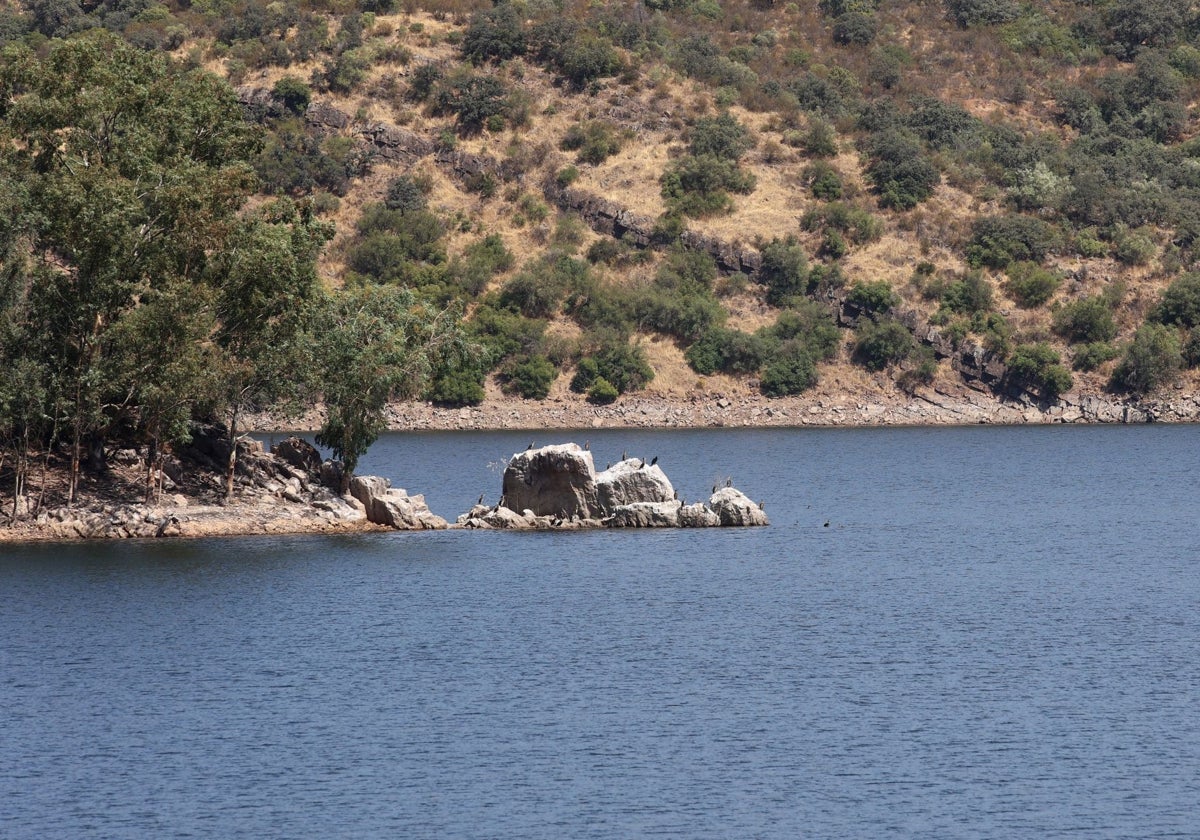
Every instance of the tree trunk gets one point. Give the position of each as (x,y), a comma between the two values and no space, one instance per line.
(231,468)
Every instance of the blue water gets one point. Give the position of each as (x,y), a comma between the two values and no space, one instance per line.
(996,635)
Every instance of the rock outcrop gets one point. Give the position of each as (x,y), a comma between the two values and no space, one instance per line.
(733,507)
(557,487)
(551,481)
(393,507)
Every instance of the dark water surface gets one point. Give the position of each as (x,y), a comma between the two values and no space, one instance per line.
(997,635)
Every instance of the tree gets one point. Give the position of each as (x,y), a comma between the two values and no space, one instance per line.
(376,344)
(1152,359)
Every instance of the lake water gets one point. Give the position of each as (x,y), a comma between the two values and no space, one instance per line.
(996,635)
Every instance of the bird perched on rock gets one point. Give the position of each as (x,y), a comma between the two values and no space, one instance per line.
(480,499)
(654,460)
(587,445)
(676,496)
(714,488)
(761,506)
(530,446)
(729,482)
(625,455)
(641,464)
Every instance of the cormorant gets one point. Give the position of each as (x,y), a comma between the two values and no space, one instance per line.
(761,506)
(530,446)
(625,455)
(676,496)
(480,499)
(714,488)
(587,445)
(729,482)
(654,460)
(826,523)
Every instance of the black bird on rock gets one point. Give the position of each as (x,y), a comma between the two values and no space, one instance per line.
(530,446)
(654,460)
(480,499)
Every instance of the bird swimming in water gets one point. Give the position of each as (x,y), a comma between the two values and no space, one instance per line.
(826,523)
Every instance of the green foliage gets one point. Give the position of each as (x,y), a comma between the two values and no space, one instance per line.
(997,241)
(1091,356)
(727,351)
(902,175)
(1180,303)
(405,194)
(982,12)
(882,343)
(1086,321)
(873,296)
(378,345)
(594,140)
(859,225)
(293,93)
(820,140)
(481,261)
(823,180)
(1152,360)
(790,371)
(622,365)
(494,34)
(700,186)
(857,28)
(538,290)
(808,322)
(784,271)
(503,332)
(530,377)
(968,295)
(471,99)
(602,392)
(456,388)
(1030,285)
(721,137)
(1038,366)
(1135,248)
(566,176)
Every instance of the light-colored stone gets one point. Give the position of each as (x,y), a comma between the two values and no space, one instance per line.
(551,481)
(393,507)
(733,507)
(630,481)
(645,515)
(697,516)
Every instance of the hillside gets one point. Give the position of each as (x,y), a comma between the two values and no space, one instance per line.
(847,202)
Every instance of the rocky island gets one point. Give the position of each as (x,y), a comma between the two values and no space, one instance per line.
(292,490)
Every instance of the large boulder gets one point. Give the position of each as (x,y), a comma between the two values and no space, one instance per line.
(632,481)
(733,507)
(552,481)
(299,453)
(393,507)
(645,515)
(697,516)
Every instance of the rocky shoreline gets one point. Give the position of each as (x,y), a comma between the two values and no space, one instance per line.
(942,406)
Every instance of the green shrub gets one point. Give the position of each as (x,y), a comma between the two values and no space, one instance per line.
(1135,249)
(819,140)
(1152,360)
(538,290)
(530,377)
(293,93)
(791,371)
(495,34)
(726,351)
(504,332)
(1086,321)
(824,181)
(901,173)
(809,322)
(784,271)
(699,186)
(1038,366)
(595,141)
(566,176)
(405,194)
(873,296)
(1180,302)
(1091,356)
(602,392)
(882,343)
(621,364)
(456,388)
(1030,285)
(997,241)
(968,295)
(858,224)
(721,137)
(982,12)
(482,260)
(856,28)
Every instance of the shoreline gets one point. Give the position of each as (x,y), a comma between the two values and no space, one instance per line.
(961,406)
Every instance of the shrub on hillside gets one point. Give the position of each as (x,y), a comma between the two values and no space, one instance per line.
(1030,285)
(530,377)
(720,137)
(997,241)
(873,296)
(882,343)
(791,370)
(1086,321)
(594,141)
(1038,366)
(901,173)
(1091,356)
(970,294)
(784,271)
(456,388)
(1152,360)
(1180,303)
(405,194)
